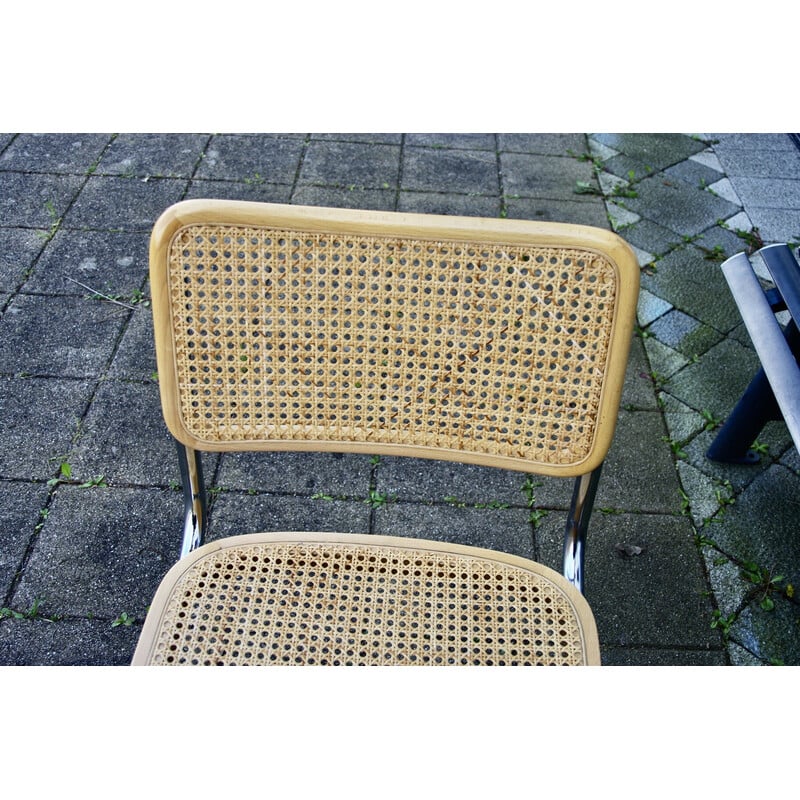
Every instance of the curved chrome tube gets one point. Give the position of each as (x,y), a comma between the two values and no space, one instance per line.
(577,525)
(195,508)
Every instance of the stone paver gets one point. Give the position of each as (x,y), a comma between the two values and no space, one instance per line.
(681,550)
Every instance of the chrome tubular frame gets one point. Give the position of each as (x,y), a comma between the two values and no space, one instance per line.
(577,525)
(195,507)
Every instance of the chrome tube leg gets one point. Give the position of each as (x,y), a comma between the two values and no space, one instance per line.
(195,508)
(577,525)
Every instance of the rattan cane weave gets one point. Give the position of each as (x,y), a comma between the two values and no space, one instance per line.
(287,337)
(320,599)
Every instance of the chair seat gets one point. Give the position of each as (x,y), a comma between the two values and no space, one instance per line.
(330,599)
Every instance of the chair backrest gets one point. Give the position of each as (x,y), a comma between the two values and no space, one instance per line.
(488,341)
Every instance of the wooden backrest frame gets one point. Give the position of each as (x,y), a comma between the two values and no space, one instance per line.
(512,246)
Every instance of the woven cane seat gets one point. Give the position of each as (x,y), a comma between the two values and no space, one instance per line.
(325,599)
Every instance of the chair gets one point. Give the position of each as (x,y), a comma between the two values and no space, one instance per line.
(485,341)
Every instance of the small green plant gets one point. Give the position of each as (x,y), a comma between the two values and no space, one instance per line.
(31,613)
(766,583)
(321,496)
(98,481)
(762,448)
(676,447)
(711,422)
(621,190)
(124,619)
(376,499)
(659,380)
(64,474)
(686,503)
(535,515)
(55,222)
(715,253)
(724,495)
(584,187)
(724,624)
(704,541)
(492,504)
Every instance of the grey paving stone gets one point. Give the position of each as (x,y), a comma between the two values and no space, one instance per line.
(125,439)
(657,151)
(333,474)
(505,530)
(638,450)
(111,263)
(256,191)
(682,422)
(649,236)
(725,142)
(66,337)
(19,248)
(695,285)
(739,476)
(684,334)
(719,237)
(649,307)
(629,607)
(553,177)
(760,162)
(463,141)
(716,380)
(54,152)
(20,504)
(135,359)
(102,552)
(762,525)
(448,203)
(169,155)
(345,197)
(35,201)
(6,139)
(555,144)
(439,170)
(642,657)
(770,636)
(40,417)
(591,212)
(429,481)
(775,224)
(368,166)
(739,657)
(127,204)
(235,513)
(66,643)
(664,361)
(268,158)
(769,192)
(364,138)
(695,174)
(638,391)
(681,208)
(703,493)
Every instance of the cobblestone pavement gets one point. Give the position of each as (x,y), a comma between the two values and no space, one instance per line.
(89,505)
